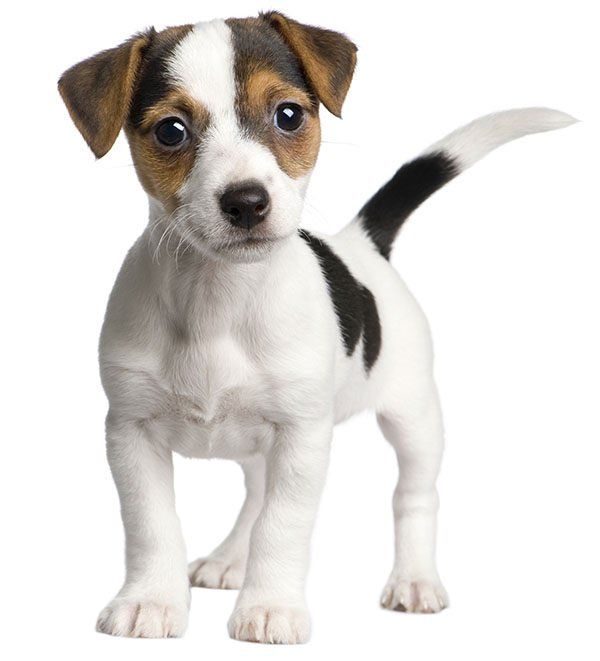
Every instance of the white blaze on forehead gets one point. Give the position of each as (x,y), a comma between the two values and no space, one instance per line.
(203,64)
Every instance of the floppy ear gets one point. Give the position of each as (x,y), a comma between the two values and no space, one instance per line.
(98,91)
(328,58)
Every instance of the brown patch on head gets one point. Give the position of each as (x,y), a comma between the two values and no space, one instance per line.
(261,93)
(267,74)
(328,58)
(163,170)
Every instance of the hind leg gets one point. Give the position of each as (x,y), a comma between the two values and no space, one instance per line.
(225,567)
(415,432)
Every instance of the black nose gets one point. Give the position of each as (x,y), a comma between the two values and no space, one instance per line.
(246,204)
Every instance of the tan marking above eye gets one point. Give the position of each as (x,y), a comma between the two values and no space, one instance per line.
(176,103)
(162,171)
(295,152)
(265,88)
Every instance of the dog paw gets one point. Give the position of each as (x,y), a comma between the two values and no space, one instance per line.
(418,596)
(142,619)
(217,573)
(276,625)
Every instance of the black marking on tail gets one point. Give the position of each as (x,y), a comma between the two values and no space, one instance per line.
(353,303)
(383,215)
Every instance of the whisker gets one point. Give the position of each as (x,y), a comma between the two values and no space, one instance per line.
(311,207)
(182,238)
(172,220)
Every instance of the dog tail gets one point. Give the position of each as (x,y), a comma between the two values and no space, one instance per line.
(383,215)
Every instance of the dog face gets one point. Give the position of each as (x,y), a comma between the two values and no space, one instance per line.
(222,120)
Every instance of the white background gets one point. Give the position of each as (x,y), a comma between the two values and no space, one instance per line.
(504,261)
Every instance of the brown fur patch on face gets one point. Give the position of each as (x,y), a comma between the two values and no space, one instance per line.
(163,170)
(296,151)
(268,73)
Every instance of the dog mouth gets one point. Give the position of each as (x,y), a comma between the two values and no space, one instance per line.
(247,247)
(241,239)
(251,241)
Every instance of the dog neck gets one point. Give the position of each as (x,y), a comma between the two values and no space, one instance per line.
(203,293)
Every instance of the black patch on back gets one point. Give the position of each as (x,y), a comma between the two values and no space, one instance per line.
(353,303)
(153,80)
(371,329)
(383,215)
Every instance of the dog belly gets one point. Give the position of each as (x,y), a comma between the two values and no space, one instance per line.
(233,435)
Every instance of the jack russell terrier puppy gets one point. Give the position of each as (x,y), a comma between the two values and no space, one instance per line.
(231,333)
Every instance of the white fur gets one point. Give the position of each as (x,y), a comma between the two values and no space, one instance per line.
(212,355)
(202,64)
(472,142)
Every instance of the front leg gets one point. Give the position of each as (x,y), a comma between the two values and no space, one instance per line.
(271,606)
(154,600)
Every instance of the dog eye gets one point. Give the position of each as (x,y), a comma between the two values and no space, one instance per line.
(171,132)
(288,116)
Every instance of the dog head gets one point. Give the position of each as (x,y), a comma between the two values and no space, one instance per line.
(222,120)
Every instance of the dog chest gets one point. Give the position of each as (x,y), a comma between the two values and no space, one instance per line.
(209,377)
(200,399)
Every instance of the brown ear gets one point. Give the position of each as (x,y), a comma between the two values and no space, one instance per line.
(98,92)
(328,58)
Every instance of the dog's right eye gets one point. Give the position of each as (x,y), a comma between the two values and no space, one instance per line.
(171,132)
(288,117)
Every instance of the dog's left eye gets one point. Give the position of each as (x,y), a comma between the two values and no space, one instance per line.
(288,116)
(171,132)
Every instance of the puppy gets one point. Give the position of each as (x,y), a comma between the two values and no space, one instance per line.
(230,333)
